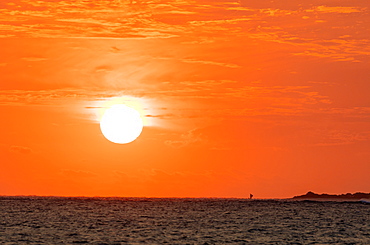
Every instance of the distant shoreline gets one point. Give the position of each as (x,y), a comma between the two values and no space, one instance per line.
(346,197)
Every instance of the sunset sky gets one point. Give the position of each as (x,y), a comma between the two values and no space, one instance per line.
(237,97)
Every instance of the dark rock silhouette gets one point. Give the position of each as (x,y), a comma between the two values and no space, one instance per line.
(354,196)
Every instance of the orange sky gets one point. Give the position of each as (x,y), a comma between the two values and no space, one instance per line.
(263,97)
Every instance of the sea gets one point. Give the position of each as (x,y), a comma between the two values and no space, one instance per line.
(79,220)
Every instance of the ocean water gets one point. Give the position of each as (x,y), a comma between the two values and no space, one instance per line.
(55,220)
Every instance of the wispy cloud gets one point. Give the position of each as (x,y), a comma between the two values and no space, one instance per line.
(190,20)
(47,97)
(110,19)
(337,9)
(342,137)
(174,70)
(189,138)
(20,149)
(34,59)
(204,62)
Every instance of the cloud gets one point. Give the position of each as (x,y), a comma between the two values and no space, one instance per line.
(194,84)
(276,12)
(196,24)
(342,137)
(189,138)
(161,116)
(340,10)
(103,19)
(46,97)
(206,84)
(218,22)
(210,100)
(103,69)
(204,62)
(278,96)
(20,149)
(348,112)
(34,59)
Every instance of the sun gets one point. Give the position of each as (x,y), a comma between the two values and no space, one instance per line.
(121,124)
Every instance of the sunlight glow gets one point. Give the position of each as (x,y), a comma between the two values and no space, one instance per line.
(138,104)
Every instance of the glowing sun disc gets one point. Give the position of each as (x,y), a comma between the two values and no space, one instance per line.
(121,124)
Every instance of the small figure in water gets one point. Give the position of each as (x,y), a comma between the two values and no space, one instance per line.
(250,196)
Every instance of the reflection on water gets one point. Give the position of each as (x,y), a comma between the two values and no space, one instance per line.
(181,221)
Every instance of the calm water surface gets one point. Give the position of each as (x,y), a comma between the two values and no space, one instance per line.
(37,220)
